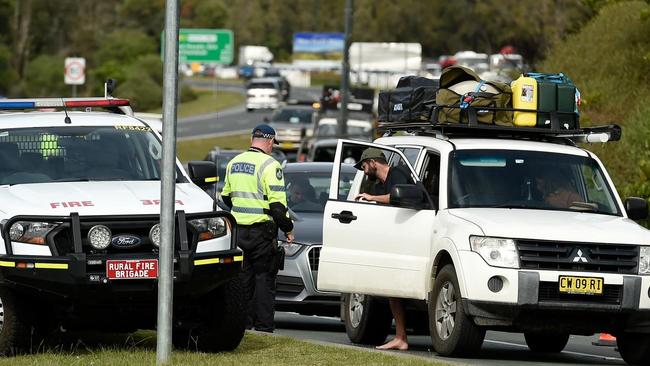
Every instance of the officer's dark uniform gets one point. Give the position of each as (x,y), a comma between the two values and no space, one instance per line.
(254,188)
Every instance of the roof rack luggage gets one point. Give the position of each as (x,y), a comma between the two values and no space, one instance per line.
(472,128)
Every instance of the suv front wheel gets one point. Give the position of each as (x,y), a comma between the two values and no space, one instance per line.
(634,348)
(222,319)
(548,342)
(452,332)
(367,318)
(16,332)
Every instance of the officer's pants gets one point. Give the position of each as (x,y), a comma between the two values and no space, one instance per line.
(258,275)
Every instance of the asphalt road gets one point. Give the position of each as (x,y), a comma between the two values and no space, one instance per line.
(232,120)
(502,349)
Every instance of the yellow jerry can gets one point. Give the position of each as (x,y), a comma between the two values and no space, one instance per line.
(524,96)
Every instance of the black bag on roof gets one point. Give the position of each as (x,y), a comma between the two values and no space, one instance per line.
(411,101)
(414,81)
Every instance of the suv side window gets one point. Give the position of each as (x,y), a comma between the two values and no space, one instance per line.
(411,154)
(596,187)
(431,175)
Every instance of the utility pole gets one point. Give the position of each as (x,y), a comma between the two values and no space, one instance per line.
(345,72)
(168,187)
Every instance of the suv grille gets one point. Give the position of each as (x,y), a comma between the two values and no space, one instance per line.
(314,257)
(551,255)
(63,239)
(612,295)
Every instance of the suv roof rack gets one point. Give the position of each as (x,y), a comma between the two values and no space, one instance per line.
(115,105)
(472,128)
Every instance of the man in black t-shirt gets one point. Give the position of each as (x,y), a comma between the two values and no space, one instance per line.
(374,165)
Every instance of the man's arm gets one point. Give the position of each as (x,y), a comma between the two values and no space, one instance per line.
(273,178)
(384,198)
(225,191)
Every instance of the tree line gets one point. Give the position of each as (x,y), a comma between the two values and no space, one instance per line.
(121,38)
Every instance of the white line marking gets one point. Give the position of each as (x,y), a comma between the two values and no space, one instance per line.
(567,352)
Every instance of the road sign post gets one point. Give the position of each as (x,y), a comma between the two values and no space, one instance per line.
(168,187)
(74,72)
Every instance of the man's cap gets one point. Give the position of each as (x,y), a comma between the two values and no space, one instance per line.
(370,153)
(265,131)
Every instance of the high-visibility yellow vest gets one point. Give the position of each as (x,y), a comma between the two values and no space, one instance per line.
(253,181)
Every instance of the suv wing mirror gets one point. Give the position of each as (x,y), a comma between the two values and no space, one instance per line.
(203,173)
(636,208)
(409,196)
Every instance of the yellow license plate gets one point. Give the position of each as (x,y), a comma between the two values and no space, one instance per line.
(581,285)
(287,145)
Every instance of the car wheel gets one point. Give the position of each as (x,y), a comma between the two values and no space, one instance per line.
(634,348)
(546,341)
(15,329)
(453,333)
(222,319)
(367,318)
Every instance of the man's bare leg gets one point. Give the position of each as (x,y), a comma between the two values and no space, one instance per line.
(399,342)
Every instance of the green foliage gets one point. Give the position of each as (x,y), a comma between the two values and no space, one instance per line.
(7,74)
(143,83)
(203,14)
(608,61)
(187,94)
(44,78)
(147,16)
(124,46)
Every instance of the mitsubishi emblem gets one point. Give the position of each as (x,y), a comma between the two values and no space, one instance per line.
(579,257)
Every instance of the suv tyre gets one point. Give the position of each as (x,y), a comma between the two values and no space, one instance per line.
(367,319)
(634,348)
(15,330)
(222,319)
(452,332)
(548,342)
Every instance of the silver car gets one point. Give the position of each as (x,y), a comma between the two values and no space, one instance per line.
(308,187)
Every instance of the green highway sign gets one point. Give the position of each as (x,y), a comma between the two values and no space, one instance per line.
(205,45)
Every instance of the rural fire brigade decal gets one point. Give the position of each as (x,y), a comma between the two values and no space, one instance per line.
(157,202)
(71,204)
(131,269)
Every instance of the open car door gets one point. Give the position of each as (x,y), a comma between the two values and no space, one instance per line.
(372,248)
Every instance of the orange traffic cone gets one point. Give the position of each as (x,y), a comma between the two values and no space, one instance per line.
(605,339)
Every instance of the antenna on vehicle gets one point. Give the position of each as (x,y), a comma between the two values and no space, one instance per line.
(67,119)
(109,87)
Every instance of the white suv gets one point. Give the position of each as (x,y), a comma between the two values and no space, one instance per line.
(517,232)
(80,232)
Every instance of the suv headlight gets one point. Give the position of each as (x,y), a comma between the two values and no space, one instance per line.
(209,228)
(31,232)
(497,252)
(290,249)
(644,261)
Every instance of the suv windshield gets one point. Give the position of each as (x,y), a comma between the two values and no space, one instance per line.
(61,154)
(528,179)
(292,115)
(261,86)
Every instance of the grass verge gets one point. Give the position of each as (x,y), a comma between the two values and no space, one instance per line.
(208,101)
(196,149)
(217,80)
(255,349)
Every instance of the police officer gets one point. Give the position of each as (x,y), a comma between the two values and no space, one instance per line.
(254,189)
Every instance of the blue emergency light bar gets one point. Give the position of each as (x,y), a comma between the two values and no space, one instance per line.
(17,104)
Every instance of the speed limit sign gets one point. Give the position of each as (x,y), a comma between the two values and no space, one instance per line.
(75,71)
